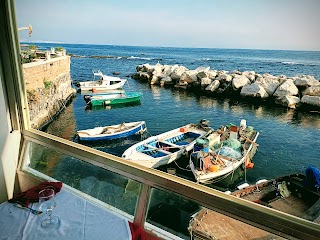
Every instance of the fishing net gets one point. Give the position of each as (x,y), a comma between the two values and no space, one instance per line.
(229,152)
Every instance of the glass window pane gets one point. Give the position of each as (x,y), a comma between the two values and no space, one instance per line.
(109,187)
(189,220)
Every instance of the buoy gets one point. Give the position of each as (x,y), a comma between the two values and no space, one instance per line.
(94,89)
(214,168)
(249,164)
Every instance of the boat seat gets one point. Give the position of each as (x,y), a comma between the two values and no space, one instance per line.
(171,144)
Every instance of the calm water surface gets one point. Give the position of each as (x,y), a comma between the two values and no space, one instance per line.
(289,141)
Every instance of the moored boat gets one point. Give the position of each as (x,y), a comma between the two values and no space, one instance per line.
(166,147)
(112,131)
(228,148)
(295,194)
(112,98)
(104,83)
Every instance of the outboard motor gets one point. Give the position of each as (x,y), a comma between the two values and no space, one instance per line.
(197,160)
(86,98)
(204,123)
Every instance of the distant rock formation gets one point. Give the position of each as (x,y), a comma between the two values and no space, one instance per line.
(291,92)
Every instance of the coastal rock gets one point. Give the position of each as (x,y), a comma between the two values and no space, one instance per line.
(286,88)
(202,74)
(240,81)
(166,81)
(225,77)
(236,72)
(154,80)
(288,101)
(144,76)
(186,78)
(183,85)
(177,72)
(269,84)
(168,70)
(205,82)
(312,91)
(192,74)
(305,81)
(213,86)
(311,100)
(253,90)
(251,75)
(212,74)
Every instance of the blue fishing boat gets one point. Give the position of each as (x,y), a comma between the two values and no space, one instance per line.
(112,131)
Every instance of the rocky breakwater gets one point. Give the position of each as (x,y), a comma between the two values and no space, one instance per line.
(292,92)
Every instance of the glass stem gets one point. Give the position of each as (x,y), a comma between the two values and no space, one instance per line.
(49,212)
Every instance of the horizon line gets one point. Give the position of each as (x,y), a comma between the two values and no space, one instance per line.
(121,45)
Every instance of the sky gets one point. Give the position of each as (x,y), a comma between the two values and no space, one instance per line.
(240,24)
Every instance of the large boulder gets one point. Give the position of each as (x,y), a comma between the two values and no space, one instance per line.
(225,77)
(205,82)
(212,74)
(269,84)
(144,76)
(186,78)
(288,101)
(286,88)
(166,81)
(154,80)
(305,81)
(251,75)
(253,90)
(311,100)
(177,72)
(202,74)
(143,67)
(312,91)
(239,81)
(156,69)
(213,86)
(192,74)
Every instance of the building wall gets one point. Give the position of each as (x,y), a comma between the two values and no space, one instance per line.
(48,86)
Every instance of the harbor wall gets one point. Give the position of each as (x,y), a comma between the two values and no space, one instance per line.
(48,88)
(302,91)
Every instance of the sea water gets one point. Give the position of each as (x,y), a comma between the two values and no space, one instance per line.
(289,140)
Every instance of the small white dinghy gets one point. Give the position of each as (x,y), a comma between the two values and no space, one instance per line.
(166,147)
(112,131)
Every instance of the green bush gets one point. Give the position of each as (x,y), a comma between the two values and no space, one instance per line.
(47,84)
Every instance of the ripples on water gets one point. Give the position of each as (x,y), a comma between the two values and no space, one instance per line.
(289,140)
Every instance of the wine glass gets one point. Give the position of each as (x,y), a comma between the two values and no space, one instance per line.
(47,204)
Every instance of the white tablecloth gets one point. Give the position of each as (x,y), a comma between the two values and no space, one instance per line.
(79,220)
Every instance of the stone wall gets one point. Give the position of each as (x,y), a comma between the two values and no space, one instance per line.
(48,87)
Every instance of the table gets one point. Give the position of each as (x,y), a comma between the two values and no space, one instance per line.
(79,220)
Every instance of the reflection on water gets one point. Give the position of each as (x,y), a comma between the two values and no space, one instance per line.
(109,107)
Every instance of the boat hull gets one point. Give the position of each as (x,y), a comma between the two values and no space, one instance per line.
(164,148)
(131,129)
(114,99)
(104,83)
